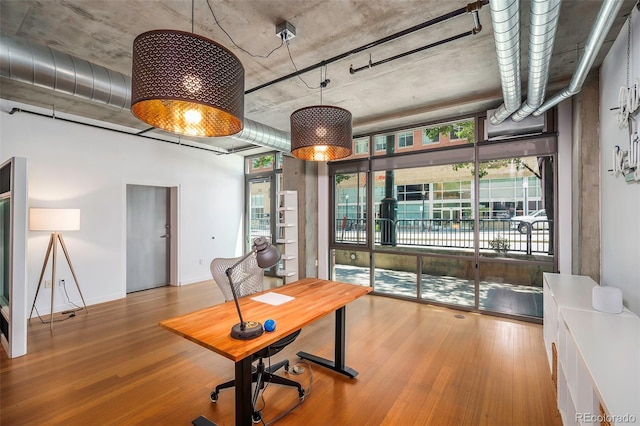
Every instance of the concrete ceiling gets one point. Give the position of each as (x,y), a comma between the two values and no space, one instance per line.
(456,78)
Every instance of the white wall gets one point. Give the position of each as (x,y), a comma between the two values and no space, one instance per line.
(76,166)
(620,201)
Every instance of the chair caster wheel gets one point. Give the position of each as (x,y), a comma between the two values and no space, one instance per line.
(214,396)
(256,417)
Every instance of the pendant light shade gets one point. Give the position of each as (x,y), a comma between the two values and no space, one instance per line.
(186,84)
(321,133)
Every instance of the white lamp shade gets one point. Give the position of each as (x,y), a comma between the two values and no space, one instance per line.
(54,219)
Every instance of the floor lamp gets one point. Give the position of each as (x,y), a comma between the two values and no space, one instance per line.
(54,220)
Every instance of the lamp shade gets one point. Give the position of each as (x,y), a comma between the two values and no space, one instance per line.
(321,133)
(54,219)
(267,255)
(186,84)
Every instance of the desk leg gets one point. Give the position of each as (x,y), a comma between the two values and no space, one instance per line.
(340,334)
(244,410)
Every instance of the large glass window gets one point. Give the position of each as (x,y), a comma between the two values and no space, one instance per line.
(261,163)
(351,266)
(437,213)
(448,228)
(395,274)
(350,208)
(515,225)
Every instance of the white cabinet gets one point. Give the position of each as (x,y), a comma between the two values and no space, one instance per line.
(13,247)
(287,235)
(598,354)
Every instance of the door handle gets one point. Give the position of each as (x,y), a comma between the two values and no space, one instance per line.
(165,236)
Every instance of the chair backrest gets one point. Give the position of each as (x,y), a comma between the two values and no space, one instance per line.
(247,277)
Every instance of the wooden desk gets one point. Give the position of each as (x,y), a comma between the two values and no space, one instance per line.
(314,298)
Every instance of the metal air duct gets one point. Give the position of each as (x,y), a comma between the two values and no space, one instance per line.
(30,63)
(505,16)
(27,62)
(263,135)
(542,33)
(601,27)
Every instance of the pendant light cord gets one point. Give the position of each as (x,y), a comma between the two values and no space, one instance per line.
(235,44)
(324,81)
(283,42)
(321,85)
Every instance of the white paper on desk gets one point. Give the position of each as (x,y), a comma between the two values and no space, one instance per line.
(274,299)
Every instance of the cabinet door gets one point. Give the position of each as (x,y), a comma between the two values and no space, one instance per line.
(13,291)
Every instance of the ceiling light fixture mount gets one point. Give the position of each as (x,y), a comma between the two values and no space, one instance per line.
(187,84)
(285,31)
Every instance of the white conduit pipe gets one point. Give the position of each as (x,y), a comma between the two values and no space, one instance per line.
(505,16)
(601,27)
(542,33)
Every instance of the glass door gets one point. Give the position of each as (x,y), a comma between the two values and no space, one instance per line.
(260,209)
(516,233)
(263,177)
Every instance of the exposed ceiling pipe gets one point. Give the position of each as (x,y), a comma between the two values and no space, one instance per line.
(505,16)
(542,33)
(475,30)
(601,27)
(263,135)
(30,63)
(216,150)
(470,8)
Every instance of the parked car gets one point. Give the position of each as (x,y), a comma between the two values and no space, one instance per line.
(536,220)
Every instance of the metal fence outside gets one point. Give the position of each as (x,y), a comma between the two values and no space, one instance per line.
(494,234)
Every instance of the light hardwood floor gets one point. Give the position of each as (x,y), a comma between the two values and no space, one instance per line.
(418,364)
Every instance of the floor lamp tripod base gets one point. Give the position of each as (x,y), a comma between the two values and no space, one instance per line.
(52,250)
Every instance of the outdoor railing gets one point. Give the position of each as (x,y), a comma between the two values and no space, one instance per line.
(260,228)
(501,235)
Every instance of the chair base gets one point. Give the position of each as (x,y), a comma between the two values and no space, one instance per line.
(260,376)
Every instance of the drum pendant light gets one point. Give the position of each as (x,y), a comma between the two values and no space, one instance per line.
(321,133)
(186,84)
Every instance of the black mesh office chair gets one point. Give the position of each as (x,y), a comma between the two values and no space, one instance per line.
(248,279)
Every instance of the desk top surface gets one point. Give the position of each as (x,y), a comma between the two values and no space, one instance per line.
(313,299)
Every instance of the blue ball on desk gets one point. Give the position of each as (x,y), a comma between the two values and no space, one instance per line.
(269,325)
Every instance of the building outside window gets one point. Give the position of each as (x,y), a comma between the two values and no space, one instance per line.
(405,140)
(455,132)
(428,138)
(362,146)
(381,143)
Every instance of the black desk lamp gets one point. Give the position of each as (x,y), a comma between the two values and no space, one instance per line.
(267,256)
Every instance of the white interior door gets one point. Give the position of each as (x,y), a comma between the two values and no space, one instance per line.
(148,237)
